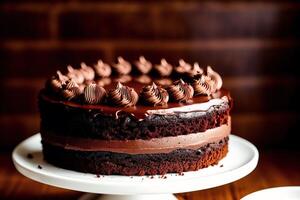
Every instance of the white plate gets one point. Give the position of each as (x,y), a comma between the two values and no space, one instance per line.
(240,161)
(277,193)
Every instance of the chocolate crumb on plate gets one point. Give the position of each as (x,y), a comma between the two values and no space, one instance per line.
(29,156)
(40,167)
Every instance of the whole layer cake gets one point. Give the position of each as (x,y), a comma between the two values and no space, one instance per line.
(135,119)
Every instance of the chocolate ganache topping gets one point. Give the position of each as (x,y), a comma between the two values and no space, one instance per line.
(202,85)
(87,72)
(154,95)
(75,74)
(94,94)
(164,69)
(122,67)
(102,69)
(180,91)
(143,65)
(183,67)
(122,96)
(84,84)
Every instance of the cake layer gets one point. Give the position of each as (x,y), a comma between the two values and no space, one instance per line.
(106,163)
(86,121)
(155,145)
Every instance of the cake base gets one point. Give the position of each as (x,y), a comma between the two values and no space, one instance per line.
(107,163)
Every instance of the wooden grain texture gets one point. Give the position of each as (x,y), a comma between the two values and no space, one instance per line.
(232,57)
(276,168)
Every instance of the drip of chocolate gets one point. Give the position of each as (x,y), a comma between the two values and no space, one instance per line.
(202,85)
(122,67)
(87,72)
(164,69)
(102,69)
(94,94)
(123,96)
(183,67)
(143,65)
(154,95)
(215,77)
(75,74)
(180,91)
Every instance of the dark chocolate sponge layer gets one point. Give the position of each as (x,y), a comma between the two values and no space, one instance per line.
(107,163)
(66,120)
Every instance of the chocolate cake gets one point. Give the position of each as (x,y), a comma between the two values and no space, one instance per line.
(135,119)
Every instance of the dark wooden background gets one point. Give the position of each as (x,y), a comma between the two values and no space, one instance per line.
(253,44)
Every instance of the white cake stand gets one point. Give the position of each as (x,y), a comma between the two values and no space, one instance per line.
(239,162)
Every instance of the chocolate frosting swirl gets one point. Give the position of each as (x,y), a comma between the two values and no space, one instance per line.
(183,67)
(143,65)
(75,74)
(70,89)
(87,72)
(102,69)
(202,85)
(180,91)
(154,95)
(122,67)
(56,83)
(61,77)
(164,69)
(123,96)
(70,84)
(71,93)
(215,77)
(196,70)
(94,94)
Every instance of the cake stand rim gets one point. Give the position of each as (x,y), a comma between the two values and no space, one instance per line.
(181,184)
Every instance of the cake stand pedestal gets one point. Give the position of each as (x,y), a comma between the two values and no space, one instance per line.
(241,159)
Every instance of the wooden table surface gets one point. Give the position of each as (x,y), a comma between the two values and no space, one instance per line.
(275,168)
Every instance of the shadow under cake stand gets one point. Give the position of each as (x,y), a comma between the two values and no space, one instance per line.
(241,160)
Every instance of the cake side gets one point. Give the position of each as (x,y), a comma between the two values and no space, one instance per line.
(78,121)
(107,163)
(124,124)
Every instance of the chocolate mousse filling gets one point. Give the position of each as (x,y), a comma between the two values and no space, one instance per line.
(155,145)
